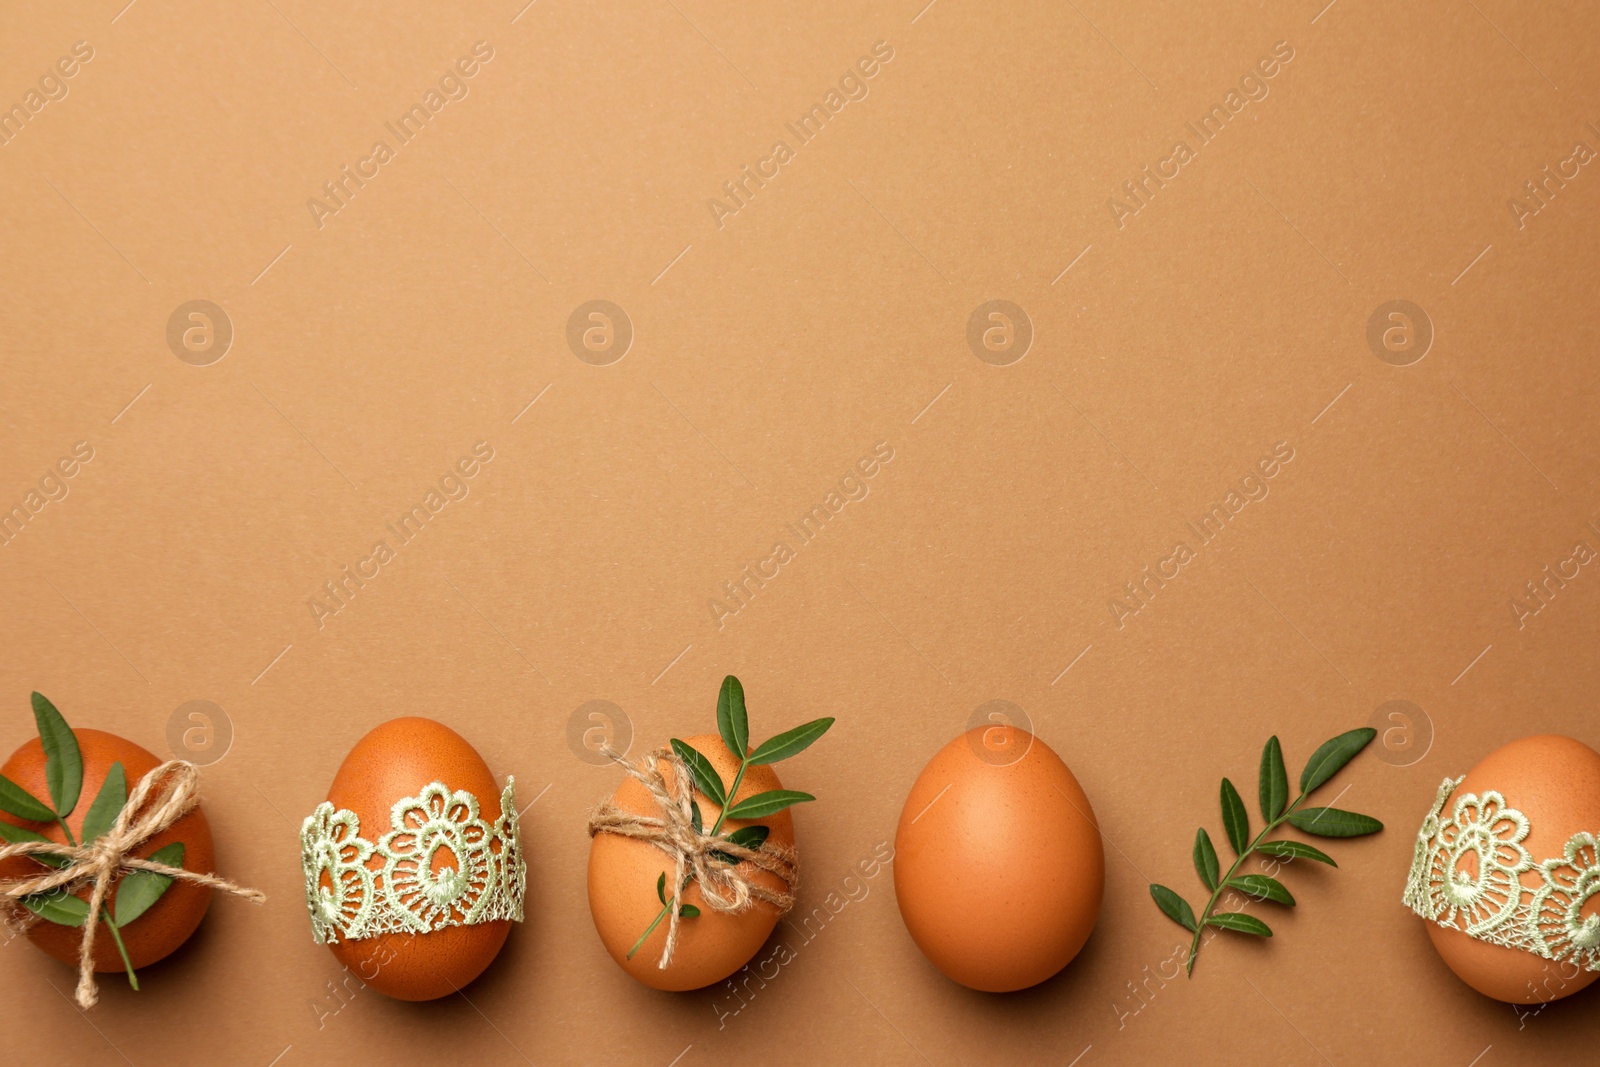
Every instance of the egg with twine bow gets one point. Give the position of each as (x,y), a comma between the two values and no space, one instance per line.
(92,823)
(413,865)
(692,861)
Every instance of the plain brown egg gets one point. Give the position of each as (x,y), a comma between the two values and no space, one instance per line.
(622,888)
(1555,782)
(399,759)
(998,865)
(170,920)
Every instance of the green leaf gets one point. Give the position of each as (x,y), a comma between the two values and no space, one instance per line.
(58,907)
(21,803)
(1295,850)
(689,911)
(694,817)
(1235,820)
(705,775)
(1205,858)
(108,804)
(138,890)
(1245,924)
(16,834)
(732,722)
(769,803)
(1333,822)
(63,763)
(1274,786)
(1334,753)
(661,887)
(1262,888)
(790,742)
(1173,906)
(751,837)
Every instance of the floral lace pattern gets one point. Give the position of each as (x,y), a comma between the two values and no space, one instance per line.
(440,864)
(1466,874)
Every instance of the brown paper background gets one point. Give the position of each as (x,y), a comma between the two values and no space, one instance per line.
(769,355)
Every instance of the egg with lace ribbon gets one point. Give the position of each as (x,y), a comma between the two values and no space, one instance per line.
(1506,871)
(414,871)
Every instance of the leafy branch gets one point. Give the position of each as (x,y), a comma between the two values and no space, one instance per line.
(1276,809)
(733,724)
(63,772)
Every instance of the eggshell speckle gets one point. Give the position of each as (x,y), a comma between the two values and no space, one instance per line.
(1555,782)
(999,870)
(399,759)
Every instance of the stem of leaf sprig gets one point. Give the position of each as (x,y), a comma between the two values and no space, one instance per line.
(105,916)
(1275,809)
(1222,884)
(666,908)
(733,724)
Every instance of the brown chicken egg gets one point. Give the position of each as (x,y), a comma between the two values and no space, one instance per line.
(1553,784)
(396,760)
(998,868)
(622,888)
(170,921)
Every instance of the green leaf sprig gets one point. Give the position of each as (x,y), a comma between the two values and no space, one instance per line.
(1276,809)
(733,724)
(63,772)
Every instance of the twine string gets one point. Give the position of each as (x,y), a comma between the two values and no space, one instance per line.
(159,800)
(724,887)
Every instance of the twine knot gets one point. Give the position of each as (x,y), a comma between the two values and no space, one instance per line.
(697,856)
(102,854)
(159,800)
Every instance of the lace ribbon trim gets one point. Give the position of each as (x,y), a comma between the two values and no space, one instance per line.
(351,898)
(1467,870)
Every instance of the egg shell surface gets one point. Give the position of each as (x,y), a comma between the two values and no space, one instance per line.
(399,759)
(999,869)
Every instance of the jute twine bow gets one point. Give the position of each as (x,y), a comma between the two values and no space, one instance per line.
(723,887)
(161,798)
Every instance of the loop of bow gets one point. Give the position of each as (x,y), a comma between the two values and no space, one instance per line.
(159,800)
(724,887)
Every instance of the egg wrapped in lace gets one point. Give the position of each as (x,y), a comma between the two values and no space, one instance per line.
(414,871)
(1506,871)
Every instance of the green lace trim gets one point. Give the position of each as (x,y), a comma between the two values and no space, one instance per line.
(1467,874)
(352,898)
